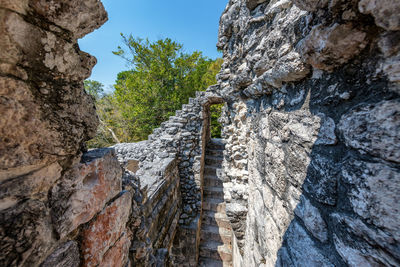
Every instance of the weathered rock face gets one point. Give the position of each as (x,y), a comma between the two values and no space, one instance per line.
(311,128)
(384,12)
(26,235)
(41,86)
(105,230)
(48,192)
(84,190)
(66,255)
(326,48)
(382,137)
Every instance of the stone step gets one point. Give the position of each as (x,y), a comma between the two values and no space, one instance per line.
(207,262)
(215,157)
(211,204)
(215,250)
(213,192)
(215,152)
(211,170)
(215,233)
(216,218)
(216,143)
(213,161)
(212,180)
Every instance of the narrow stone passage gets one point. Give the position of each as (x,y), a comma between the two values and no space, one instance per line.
(216,233)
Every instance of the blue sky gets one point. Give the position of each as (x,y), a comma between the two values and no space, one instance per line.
(193,23)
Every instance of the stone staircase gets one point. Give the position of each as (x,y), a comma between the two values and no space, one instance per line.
(216,232)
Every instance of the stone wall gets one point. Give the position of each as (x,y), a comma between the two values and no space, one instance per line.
(182,140)
(312,131)
(158,202)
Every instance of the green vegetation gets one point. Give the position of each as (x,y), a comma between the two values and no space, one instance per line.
(161,78)
(216,127)
(94,88)
(111,128)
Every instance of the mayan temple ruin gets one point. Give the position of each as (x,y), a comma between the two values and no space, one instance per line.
(307,172)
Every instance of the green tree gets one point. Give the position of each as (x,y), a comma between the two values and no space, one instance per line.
(215,126)
(162,78)
(209,77)
(106,111)
(94,88)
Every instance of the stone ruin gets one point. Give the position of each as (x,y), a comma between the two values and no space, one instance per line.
(311,126)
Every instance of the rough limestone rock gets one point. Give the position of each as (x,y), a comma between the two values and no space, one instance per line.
(312,219)
(379,246)
(287,69)
(374,193)
(311,5)
(26,236)
(46,118)
(389,45)
(119,253)
(385,12)
(327,48)
(311,128)
(383,123)
(67,255)
(321,182)
(84,190)
(33,185)
(107,230)
(80,18)
(35,52)
(251,4)
(303,250)
(353,256)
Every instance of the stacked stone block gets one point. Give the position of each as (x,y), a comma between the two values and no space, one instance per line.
(312,128)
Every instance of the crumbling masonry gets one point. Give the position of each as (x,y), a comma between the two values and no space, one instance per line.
(311,137)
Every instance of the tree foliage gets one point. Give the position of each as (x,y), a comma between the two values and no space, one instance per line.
(94,88)
(161,77)
(110,121)
(216,126)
